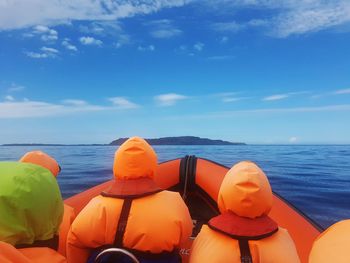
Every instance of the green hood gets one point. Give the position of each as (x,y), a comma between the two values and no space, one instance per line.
(31,206)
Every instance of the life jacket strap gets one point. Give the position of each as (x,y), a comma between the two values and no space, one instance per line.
(123,221)
(50,243)
(246,257)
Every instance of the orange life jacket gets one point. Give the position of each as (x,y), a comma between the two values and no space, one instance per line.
(67,220)
(215,247)
(9,254)
(42,255)
(157,223)
(134,213)
(332,245)
(243,232)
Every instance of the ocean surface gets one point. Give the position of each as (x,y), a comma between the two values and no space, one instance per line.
(315,178)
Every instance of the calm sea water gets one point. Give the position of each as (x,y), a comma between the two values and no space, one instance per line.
(316,179)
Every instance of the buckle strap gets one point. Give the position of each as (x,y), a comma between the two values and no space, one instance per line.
(50,243)
(246,257)
(123,221)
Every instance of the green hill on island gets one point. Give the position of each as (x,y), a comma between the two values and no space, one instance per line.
(181,140)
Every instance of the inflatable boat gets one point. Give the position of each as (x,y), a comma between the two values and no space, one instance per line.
(198,181)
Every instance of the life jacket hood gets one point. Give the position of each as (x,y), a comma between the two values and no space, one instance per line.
(135,159)
(31,205)
(245,191)
(332,245)
(42,159)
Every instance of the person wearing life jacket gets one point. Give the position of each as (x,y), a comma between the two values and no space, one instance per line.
(46,161)
(31,210)
(244,232)
(134,213)
(333,245)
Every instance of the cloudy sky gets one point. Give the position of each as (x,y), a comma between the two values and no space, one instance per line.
(255,71)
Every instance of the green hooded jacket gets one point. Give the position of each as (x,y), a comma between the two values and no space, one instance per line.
(31,206)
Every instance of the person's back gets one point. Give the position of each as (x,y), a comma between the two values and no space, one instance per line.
(243,232)
(31,210)
(44,160)
(333,245)
(133,214)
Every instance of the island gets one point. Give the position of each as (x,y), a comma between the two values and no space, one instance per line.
(181,140)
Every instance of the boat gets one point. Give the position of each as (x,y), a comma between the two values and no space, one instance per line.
(198,181)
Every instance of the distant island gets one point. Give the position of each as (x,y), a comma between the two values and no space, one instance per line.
(181,140)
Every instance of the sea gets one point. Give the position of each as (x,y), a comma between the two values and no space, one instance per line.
(314,178)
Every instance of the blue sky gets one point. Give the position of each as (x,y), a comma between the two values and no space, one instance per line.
(255,71)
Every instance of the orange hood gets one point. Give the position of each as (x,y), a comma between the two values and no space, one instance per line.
(245,191)
(135,159)
(42,159)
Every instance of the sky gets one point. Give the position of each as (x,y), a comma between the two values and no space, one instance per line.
(253,71)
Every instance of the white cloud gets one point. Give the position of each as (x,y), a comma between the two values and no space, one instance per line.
(198,46)
(32,109)
(146,48)
(289,17)
(40,29)
(229,114)
(15,88)
(228,97)
(292,17)
(163,29)
(112,29)
(47,52)
(224,40)
(29,109)
(166,33)
(20,14)
(342,91)
(66,43)
(47,34)
(311,16)
(37,55)
(123,103)
(293,139)
(276,97)
(227,26)
(223,57)
(102,28)
(90,41)
(49,38)
(75,102)
(118,45)
(169,99)
(234,27)
(9,98)
(233,99)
